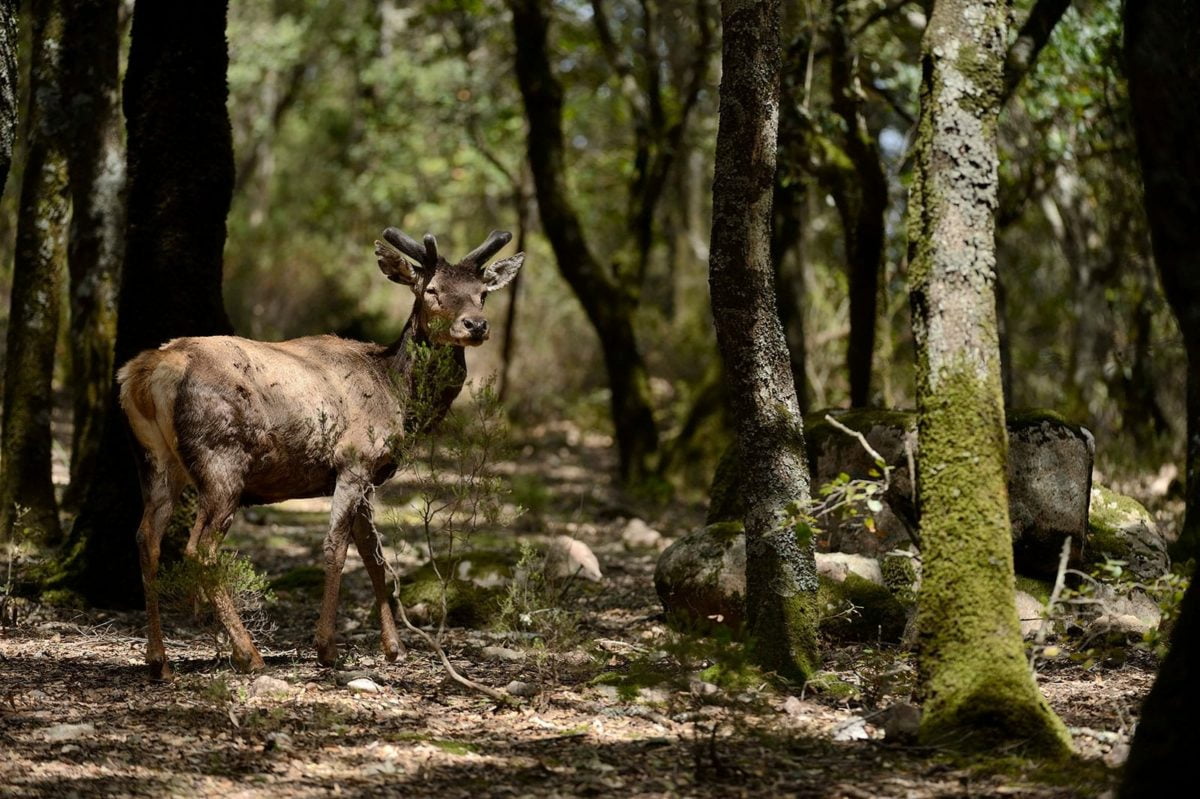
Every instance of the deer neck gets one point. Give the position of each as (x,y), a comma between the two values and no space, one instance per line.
(429,376)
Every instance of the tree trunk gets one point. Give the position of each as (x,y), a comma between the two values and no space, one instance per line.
(781,578)
(608,304)
(96,168)
(862,202)
(180,168)
(26,489)
(1164,91)
(976,682)
(9,96)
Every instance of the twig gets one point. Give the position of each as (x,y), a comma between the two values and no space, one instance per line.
(441,653)
(862,440)
(1059,580)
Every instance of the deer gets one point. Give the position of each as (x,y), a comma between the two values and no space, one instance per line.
(251,422)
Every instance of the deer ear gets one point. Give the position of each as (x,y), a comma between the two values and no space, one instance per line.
(501,273)
(397,268)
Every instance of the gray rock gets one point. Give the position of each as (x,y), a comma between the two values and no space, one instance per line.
(68,732)
(363,686)
(701,578)
(1029,611)
(265,687)
(569,557)
(902,723)
(701,688)
(502,653)
(838,566)
(1122,529)
(639,535)
(1049,480)
(518,688)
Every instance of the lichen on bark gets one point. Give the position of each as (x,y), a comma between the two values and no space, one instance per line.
(976,683)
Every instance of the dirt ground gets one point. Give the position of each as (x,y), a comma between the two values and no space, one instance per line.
(79,717)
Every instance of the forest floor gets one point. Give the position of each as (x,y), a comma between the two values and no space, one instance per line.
(619,708)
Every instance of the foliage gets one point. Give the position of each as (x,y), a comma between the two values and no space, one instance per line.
(185,585)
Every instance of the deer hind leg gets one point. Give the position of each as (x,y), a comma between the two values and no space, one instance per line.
(217,506)
(370,549)
(349,496)
(161,485)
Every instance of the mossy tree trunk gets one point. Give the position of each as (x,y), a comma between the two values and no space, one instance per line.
(1164,91)
(38,269)
(180,172)
(976,682)
(1161,41)
(96,170)
(781,578)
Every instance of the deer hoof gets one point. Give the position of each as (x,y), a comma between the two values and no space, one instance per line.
(160,670)
(393,651)
(327,654)
(247,663)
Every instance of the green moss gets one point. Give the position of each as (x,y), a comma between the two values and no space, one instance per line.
(857,609)
(63,598)
(901,575)
(829,684)
(976,679)
(473,594)
(783,638)
(301,578)
(1038,589)
(1108,515)
(859,419)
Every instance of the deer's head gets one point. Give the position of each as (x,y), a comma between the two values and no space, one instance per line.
(450,297)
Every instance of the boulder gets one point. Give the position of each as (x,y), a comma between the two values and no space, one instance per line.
(1050,466)
(701,578)
(1121,529)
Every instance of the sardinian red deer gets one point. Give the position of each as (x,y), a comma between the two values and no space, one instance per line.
(238,420)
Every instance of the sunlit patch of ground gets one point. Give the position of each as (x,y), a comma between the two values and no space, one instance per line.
(592,729)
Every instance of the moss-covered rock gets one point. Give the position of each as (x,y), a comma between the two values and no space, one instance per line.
(475,583)
(858,609)
(1120,528)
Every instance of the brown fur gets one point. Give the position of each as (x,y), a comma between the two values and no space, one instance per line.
(251,422)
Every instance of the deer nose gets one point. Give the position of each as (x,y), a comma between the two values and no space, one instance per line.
(477,327)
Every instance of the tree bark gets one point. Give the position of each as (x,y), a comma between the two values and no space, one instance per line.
(976,682)
(862,197)
(609,305)
(1164,91)
(781,579)
(180,169)
(96,247)
(9,96)
(26,489)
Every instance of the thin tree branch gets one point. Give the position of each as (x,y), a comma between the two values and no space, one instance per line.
(1034,35)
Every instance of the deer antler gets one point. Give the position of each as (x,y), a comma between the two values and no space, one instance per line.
(495,242)
(405,244)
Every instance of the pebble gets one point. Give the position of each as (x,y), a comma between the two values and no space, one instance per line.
(363,686)
(702,688)
(68,732)
(569,557)
(269,687)
(502,653)
(518,688)
(639,535)
(903,723)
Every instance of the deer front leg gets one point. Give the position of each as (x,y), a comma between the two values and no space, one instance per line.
(349,495)
(370,549)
